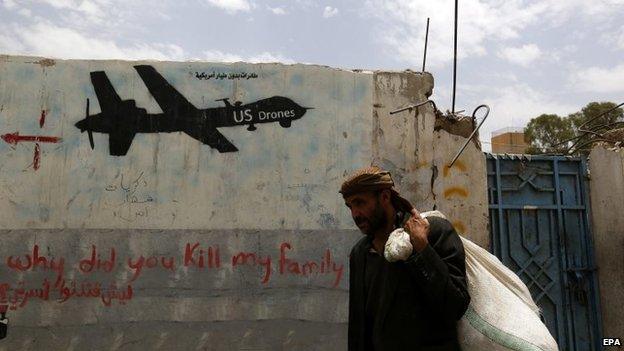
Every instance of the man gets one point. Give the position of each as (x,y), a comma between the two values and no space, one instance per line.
(406,305)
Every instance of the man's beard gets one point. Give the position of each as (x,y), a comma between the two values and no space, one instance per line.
(375,222)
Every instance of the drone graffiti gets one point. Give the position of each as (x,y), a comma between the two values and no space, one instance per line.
(122,119)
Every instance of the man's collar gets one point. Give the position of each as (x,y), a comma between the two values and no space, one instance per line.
(399,220)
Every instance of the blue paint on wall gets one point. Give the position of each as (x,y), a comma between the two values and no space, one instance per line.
(362,90)
(312,148)
(24,73)
(296,80)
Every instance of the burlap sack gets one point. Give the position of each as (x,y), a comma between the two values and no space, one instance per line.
(502,315)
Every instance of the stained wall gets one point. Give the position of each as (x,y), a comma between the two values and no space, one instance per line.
(162,236)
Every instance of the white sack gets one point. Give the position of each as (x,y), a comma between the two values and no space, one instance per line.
(398,246)
(502,314)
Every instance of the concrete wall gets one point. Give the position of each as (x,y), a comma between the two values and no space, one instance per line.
(417,148)
(607,204)
(175,244)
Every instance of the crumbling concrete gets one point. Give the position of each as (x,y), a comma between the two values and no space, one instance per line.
(418,146)
(463,126)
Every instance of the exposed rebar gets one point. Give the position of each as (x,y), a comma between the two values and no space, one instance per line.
(455,57)
(426,40)
(474,115)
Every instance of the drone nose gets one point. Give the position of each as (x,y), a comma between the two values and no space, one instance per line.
(302,110)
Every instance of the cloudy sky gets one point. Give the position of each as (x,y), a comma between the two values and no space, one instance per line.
(522,58)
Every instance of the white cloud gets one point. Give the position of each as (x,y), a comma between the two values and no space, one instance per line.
(44,39)
(55,41)
(9,4)
(9,44)
(265,57)
(277,10)
(329,12)
(523,55)
(403,26)
(85,13)
(231,6)
(89,7)
(521,102)
(59,4)
(614,38)
(599,80)
(513,106)
(220,56)
(25,12)
(402,23)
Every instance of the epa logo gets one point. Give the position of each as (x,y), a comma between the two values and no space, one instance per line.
(611,342)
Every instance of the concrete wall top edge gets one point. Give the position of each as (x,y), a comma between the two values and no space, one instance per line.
(51,61)
(48,61)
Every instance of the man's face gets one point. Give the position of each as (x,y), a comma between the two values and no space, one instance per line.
(367,212)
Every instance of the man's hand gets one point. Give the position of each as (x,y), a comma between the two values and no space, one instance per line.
(418,230)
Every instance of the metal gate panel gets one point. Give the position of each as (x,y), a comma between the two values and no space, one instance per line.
(539,223)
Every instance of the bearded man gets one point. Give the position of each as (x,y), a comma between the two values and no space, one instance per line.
(406,305)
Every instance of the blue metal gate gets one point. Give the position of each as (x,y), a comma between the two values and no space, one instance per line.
(540,228)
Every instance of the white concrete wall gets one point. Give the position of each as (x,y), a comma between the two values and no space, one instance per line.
(172,199)
(275,176)
(607,205)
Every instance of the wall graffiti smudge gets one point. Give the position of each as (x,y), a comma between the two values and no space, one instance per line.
(456,192)
(458,164)
(122,119)
(130,199)
(15,138)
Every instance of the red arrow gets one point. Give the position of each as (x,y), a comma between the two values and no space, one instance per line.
(14,138)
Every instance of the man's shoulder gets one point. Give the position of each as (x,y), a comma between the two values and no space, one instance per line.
(442,233)
(439,224)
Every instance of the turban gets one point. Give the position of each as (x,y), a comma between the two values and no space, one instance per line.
(372,179)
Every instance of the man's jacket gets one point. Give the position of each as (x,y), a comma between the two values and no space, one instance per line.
(422,297)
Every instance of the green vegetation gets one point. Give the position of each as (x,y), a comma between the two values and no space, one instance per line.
(553,134)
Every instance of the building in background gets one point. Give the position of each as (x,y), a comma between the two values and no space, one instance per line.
(509,140)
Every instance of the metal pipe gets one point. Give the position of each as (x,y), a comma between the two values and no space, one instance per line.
(415,106)
(578,137)
(567,140)
(601,126)
(474,113)
(600,115)
(582,146)
(578,140)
